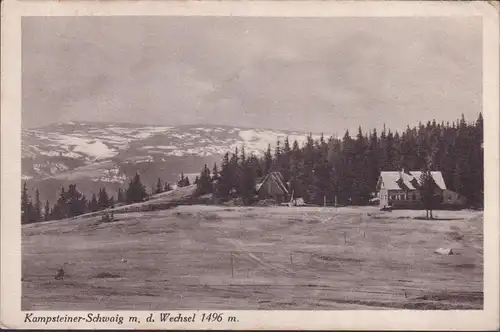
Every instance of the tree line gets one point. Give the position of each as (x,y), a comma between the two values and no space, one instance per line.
(348,168)
(71,202)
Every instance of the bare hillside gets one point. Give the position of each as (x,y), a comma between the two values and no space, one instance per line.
(203,257)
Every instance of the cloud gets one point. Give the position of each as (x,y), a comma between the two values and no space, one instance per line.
(314,74)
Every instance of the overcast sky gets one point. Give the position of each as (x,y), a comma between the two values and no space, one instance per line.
(308,74)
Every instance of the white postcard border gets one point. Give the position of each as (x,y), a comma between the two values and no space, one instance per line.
(13,11)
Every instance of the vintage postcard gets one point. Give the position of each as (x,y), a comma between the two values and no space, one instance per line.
(250,165)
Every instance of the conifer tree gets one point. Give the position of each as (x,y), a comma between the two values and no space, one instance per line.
(285,160)
(61,208)
(277,161)
(224,184)
(268,160)
(204,183)
(120,195)
(247,184)
(37,208)
(93,205)
(76,202)
(215,173)
(26,206)
(159,187)
(136,192)
(102,199)
(427,192)
(182,181)
(46,213)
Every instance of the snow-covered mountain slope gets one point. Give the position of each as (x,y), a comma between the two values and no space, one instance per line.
(110,153)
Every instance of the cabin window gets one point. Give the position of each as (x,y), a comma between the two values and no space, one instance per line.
(414,197)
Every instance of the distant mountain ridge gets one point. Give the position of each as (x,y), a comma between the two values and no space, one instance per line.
(95,154)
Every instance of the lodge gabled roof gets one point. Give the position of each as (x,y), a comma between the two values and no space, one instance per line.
(409,180)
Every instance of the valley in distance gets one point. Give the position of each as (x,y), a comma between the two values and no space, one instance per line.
(131,217)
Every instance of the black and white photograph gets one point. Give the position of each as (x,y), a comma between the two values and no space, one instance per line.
(174,163)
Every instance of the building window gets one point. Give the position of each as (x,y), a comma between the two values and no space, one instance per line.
(414,197)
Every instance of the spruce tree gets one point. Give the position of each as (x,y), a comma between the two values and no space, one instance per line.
(102,199)
(285,160)
(136,192)
(26,206)
(247,184)
(46,213)
(277,161)
(159,187)
(204,183)
(120,196)
(93,204)
(182,181)
(268,160)
(215,173)
(61,208)
(37,208)
(76,202)
(225,177)
(427,192)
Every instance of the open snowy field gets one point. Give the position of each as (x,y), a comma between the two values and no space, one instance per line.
(212,257)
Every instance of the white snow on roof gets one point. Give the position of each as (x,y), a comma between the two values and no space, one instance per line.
(391,179)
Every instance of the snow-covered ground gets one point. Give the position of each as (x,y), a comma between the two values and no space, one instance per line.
(95,142)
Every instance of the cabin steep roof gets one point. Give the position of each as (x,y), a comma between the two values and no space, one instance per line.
(409,180)
(277,178)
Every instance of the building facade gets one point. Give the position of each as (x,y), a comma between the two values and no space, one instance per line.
(400,189)
(273,186)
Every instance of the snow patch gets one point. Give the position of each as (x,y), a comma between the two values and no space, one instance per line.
(92,148)
(50,153)
(150,147)
(207,130)
(178,153)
